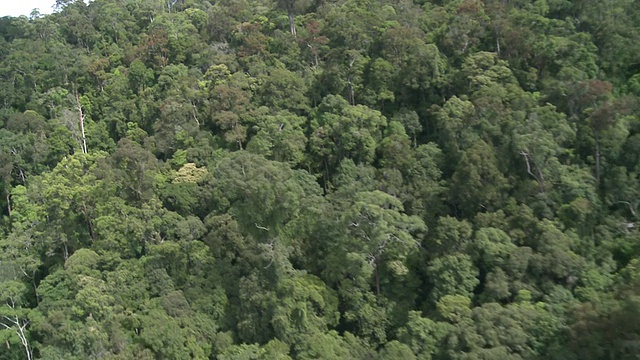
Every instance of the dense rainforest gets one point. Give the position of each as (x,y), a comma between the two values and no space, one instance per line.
(321,179)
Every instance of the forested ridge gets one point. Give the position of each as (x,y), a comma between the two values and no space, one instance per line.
(321,179)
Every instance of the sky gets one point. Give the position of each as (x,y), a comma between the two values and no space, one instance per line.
(24,7)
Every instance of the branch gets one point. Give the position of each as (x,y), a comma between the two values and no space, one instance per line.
(82,116)
(539,178)
(371,259)
(193,112)
(631,207)
(526,159)
(270,249)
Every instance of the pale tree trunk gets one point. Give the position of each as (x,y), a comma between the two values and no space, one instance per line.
(539,177)
(21,326)
(292,24)
(8,197)
(352,94)
(81,116)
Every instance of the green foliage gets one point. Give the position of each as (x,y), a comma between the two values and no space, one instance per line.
(362,179)
(452,275)
(423,335)
(341,130)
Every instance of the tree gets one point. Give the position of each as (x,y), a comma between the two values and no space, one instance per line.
(14,315)
(340,130)
(254,180)
(477,182)
(279,137)
(130,167)
(282,89)
(423,335)
(230,98)
(540,140)
(376,223)
(59,207)
(263,195)
(452,275)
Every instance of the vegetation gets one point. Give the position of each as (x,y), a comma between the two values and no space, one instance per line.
(337,179)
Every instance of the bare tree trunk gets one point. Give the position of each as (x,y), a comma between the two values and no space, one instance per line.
(288,4)
(81,115)
(352,94)
(8,197)
(292,24)
(23,339)
(540,177)
(20,331)
(193,112)
(22,175)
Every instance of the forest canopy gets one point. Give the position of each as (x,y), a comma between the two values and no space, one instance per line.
(320,179)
